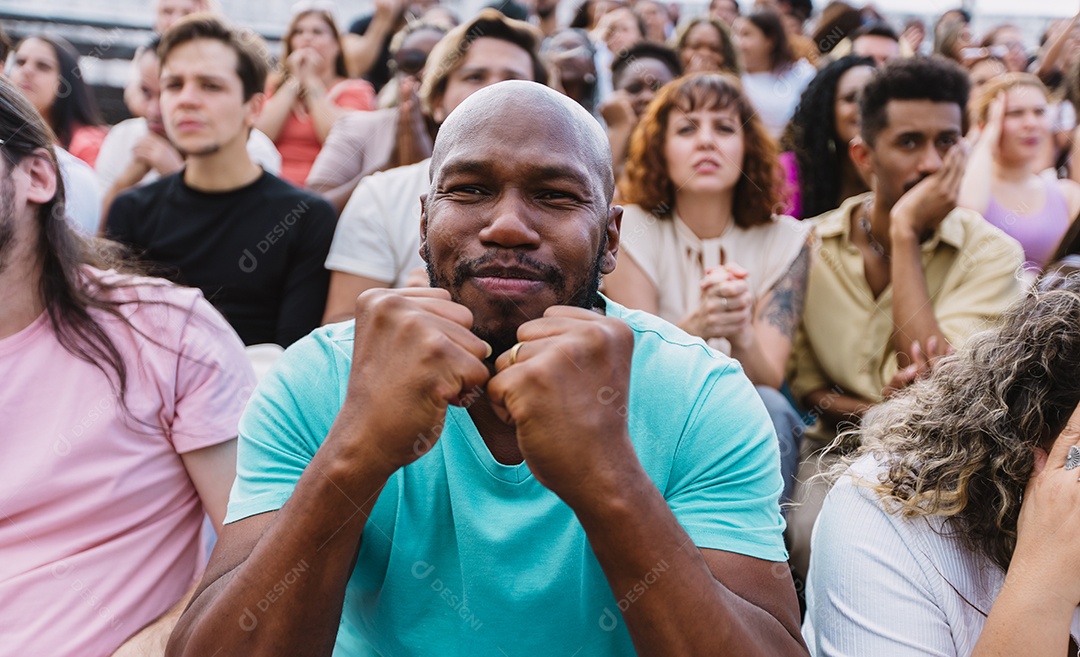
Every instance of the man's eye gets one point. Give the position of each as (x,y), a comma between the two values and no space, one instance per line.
(556,195)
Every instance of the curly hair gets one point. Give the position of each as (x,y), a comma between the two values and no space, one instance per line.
(936,79)
(811,135)
(732,62)
(959,444)
(646,181)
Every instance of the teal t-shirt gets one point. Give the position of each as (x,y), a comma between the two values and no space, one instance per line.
(465,556)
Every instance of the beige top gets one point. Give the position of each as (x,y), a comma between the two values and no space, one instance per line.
(846,335)
(675,260)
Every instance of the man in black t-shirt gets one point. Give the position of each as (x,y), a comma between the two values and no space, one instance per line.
(253,244)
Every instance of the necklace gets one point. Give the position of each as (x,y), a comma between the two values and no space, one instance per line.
(864,223)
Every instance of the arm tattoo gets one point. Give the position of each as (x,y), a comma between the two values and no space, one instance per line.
(785,307)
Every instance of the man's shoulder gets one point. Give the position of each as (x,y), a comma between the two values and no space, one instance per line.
(660,346)
(832,224)
(272,190)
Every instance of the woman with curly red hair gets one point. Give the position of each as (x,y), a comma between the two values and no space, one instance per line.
(702,245)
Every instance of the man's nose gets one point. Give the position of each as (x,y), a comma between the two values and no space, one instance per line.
(510,226)
(931,160)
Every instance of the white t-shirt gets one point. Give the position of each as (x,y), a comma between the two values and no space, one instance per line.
(881,584)
(115,153)
(83,192)
(378,235)
(775,96)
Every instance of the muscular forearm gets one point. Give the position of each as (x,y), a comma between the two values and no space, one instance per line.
(670,600)
(913,314)
(317,533)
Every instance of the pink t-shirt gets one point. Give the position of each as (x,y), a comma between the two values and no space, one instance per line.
(99,521)
(298,143)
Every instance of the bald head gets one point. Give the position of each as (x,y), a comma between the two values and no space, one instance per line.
(548,115)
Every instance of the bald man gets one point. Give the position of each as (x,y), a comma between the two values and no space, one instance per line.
(506,463)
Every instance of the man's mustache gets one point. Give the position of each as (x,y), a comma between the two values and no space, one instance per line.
(910,185)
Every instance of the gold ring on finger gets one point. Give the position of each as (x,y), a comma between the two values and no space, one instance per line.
(514,352)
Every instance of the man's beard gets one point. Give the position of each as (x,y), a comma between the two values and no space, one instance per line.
(585,295)
(7,221)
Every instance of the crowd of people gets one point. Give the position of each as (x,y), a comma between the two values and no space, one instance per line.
(749,332)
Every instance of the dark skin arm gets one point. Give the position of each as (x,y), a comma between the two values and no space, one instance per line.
(392,397)
(707,602)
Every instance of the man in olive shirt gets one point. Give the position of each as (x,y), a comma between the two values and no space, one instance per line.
(902,274)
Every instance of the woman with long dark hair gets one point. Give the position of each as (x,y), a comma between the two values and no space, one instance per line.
(953,530)
(817,162)
(46,69)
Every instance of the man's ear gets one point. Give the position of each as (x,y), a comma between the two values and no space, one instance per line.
(614,225)
(423,226)
(43,177)
(862,158)
(254,109)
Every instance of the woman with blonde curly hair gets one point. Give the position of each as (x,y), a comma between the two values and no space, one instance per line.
(954,529)
(702,246)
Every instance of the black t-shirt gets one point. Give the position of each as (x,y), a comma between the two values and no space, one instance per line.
(256,252)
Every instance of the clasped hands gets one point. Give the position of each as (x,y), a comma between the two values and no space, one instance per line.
(565,393)
(726,307)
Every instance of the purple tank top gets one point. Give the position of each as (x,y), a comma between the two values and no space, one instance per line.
(1038,232)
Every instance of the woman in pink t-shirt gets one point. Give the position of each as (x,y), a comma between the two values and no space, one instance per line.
(46,71)
(310,92)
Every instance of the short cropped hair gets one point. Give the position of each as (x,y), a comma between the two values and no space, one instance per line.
(449,53)
(252,57)
(914,78)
